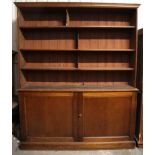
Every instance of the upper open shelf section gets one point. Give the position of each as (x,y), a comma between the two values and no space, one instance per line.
(79,46)
(65,17)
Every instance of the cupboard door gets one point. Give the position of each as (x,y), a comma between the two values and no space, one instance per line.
(47,116)
(108,116)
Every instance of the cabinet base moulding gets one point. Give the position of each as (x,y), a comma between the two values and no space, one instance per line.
(76,145)
(140,145)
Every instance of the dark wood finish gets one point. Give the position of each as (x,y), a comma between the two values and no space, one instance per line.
(47,39)
(105,60)
(41,17)
(105,39)
(140,136)
(14,75)
(110,122)
(76,145)
(75,50)
(44,67)
(75,4)
(80,88)
(108,110)
(48,77)
(77,65)
(58,107)
(80,116)
(112,113)
(139,121)
(76,27)
(100,17)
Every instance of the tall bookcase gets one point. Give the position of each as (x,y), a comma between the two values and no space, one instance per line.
(77,65)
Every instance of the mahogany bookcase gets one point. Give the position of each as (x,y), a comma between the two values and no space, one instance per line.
(77,73)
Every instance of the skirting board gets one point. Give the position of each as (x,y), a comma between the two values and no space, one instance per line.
(76,145)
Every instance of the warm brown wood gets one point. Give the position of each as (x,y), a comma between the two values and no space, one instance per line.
(140,136)
(102,117)
(105,60)
(75,50)
(76,27)
(48,59)
(105,39)
(76,145)
(106,116)
(41,17)
(80,88)
(58,107)
(47,67)
(67,18)
(75,4)
(100,17)
(112,114)
(139,84)
(80,116)
(56,77)
(43,39)
(77,73)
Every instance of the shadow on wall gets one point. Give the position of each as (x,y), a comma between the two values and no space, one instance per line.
(14,46)
(14,60)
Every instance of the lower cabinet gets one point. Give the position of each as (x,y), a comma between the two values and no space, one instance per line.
(75,120)
(108,116)
(47,116)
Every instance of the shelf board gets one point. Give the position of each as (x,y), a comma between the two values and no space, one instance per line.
(45,68)
(78,50)
(106,87)
(28,67)
(77,27)
(106,69)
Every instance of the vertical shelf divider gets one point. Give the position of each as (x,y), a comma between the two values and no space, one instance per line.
(76,47)
(67,18)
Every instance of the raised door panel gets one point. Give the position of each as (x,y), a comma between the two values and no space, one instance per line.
(48,116)
(107,115)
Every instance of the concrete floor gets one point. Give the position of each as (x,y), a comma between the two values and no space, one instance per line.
(16,151)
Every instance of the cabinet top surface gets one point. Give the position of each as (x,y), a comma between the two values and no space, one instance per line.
(80,88)
(76,4)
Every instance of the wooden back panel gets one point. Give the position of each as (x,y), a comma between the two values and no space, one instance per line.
(105,59)
(105,39)
(42,17)
(107,17)
(49,59)
(76,78)
(46,39)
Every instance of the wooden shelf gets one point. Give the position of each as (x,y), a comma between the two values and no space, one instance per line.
(77,27)
(106,69)
(121,87)
(26,67)
(78,50)
(45,68)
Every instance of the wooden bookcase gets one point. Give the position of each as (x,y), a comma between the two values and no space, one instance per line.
(77,65)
